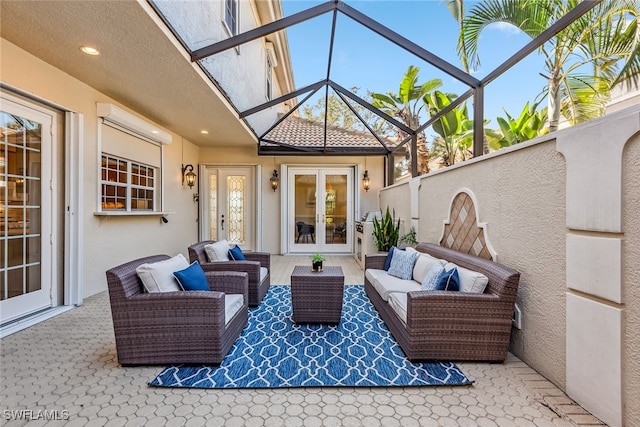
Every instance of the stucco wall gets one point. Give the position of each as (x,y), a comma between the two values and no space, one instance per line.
(271,201)
(520,196)
(631,281)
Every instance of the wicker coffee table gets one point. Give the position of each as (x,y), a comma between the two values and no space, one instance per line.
(316,297)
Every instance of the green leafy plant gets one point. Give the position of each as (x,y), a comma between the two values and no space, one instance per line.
(409,238)
(386,231)
(317,258)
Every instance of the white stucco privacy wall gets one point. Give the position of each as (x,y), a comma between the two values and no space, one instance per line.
(563,212)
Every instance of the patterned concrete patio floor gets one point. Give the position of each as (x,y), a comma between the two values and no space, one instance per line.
(66,368)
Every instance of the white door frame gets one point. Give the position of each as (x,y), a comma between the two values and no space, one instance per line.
(46,297)
(255,195)
(286,229)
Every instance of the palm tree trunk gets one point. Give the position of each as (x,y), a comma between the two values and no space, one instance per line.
(554,104)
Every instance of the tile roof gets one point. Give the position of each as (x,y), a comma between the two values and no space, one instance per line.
(296,131)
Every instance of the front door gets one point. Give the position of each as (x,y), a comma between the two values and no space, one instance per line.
(25,211)
(320,213)
(228,205)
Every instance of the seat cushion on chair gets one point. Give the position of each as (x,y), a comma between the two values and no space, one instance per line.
(192,278)
(263,273)
(218,251)
(158,276)
(232,303)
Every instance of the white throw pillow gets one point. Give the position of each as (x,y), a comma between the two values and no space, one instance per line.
(158,276)
(470,281)
(424,263)
(218,251)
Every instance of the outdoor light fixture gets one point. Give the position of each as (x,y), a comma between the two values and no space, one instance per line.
(366,181)
(188,175)
(274,180)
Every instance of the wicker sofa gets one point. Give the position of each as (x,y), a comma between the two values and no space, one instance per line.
(448,325)
(257,266)
(173,327)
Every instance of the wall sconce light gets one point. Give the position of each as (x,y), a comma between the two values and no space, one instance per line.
(274,180)
(366,181)
(188,175)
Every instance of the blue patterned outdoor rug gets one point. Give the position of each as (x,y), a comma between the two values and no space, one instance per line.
(273,352)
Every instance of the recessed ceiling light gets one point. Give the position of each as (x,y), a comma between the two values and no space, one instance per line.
(204,132)
(154,131)
(90,50)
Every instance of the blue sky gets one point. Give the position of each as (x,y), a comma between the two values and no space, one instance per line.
(363,59)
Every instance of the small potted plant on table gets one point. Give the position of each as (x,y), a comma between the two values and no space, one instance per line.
(316,262)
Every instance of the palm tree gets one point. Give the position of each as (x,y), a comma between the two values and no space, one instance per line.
(582,62)
(455,129)
(406,106)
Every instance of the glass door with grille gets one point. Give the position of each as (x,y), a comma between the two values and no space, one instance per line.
(25,211)
(228,209)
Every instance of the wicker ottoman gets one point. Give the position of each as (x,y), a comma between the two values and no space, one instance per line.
(316,297)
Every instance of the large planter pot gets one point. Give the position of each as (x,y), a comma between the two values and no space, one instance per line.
(316,266)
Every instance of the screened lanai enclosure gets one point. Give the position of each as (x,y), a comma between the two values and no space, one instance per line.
(336,48)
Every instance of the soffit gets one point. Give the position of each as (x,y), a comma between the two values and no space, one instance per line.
(139,65)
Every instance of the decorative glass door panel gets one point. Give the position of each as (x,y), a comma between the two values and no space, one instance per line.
(227,212)
(25,282)
(321,210)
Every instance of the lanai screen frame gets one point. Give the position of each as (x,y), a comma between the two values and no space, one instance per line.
(476,87)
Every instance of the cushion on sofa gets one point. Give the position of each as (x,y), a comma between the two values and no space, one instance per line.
(470,281)
(402,264)
(263,273)
(158,276)
(424,262)
(387,261)
(384,283)
(448,280)
(232,303)
(431,279)
(398,302)
(218,251)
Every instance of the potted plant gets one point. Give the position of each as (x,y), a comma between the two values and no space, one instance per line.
(316,262)
(410,238)
(386,231)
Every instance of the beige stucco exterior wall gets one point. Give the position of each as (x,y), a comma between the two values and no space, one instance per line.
(631,280)
(271,208)
(533,224)
(109,241)
(520,196)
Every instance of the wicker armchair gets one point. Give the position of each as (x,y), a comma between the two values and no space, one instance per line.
(258,286)
(185,327)
(445,325)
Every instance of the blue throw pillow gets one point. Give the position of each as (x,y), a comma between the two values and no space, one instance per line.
(448,281)
(402,264)
(235,253)
(192,278)
(431,279)
(387,262)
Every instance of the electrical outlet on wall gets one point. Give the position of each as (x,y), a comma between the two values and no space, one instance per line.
(517,318)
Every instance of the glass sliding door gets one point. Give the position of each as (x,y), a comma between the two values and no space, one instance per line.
(25,211)
(320,210)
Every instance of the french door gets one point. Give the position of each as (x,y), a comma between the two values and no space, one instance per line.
(320,213)
(25,211)
(227,205)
